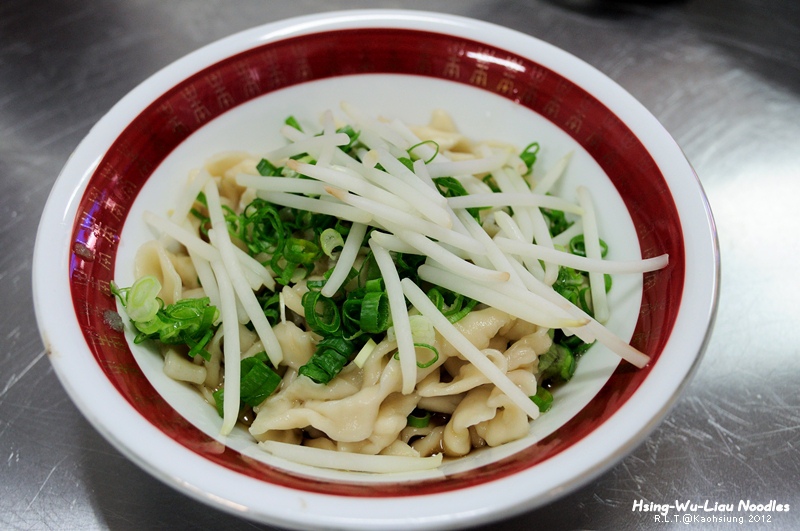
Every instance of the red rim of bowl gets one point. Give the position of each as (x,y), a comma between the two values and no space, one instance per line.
(197,100)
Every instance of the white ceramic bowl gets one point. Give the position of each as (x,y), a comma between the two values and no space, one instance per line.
(497,83)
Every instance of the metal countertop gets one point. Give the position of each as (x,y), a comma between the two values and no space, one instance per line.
(723,76)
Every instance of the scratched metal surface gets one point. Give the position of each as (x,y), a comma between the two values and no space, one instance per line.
(723,76)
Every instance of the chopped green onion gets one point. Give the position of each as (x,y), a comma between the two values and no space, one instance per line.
(457,309)
(257,382)
(316,373)
(374,316)
(575,344)
(261,228)
(529,154)
(321,313)
(329,240)
(428,363)
(201,198)
(407,162)
(231,220)
(407,265)
(270,303)
(266,169)
(557,364)
(283,269)
(187,322)
(352,134)
(452,187)
(365,352)
(369,268)
(585,300)
(205,221)
(331,355)
(374,285)
(351,312)
(435,152)
(543,399)
(198,347)
(578,247)
(569,283)
(319,284)
(292,122)
(433,360)
(219,401)
(301,251)
(422,330)
(141,301)
(419,418)
(491,183)
(556,220)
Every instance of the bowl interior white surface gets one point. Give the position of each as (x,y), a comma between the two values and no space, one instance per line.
(253,128)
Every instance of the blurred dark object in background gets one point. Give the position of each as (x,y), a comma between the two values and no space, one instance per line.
(610,6)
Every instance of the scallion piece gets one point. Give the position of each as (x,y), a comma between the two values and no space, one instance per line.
(374,316)
(266,169)
(529,154)
(428,363)
(321,313)
(141,300)
(258,380)
(198,347)
(452,187)
(433,360)
(261,228)
(457,309)
(407,162)
(331,355)
(187,322)
(557,220)
(543,399)
(419,418)
(422,330)
(578,247)
(364,353)
(219,401)
(352,134)
(575,344)
(584,301)
(291,121)
(300,251)
(557,364)
(330,240)
(424,142)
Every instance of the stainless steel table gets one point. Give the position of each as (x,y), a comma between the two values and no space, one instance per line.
(723,76)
